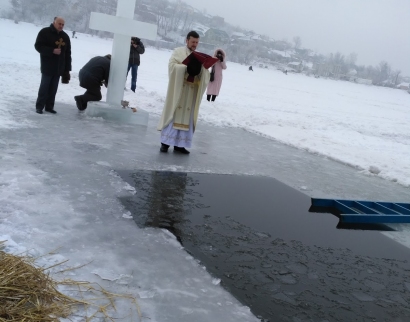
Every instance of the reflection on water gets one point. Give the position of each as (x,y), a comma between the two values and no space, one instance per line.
(258,237)
(166,201)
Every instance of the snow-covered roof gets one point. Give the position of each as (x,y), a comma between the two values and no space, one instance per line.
(257,37)
(352,72)
(246,38)
(238,34)
(294,63)
(281,53)
(200,27)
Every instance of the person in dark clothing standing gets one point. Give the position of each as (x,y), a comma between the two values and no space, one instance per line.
(136,49)
(54,47)
(92,76)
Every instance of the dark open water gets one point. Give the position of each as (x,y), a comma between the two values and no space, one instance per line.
(287,264)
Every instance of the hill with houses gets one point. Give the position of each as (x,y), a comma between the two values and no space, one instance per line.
(175,18)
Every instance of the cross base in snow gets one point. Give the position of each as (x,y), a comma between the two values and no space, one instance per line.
(114,113)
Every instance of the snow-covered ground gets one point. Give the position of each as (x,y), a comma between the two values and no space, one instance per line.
(360,125)
(363,126)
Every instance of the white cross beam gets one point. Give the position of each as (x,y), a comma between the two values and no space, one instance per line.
(123,26)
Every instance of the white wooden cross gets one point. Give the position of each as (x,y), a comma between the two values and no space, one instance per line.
(123,26)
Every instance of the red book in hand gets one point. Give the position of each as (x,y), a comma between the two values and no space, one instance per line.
(206,60)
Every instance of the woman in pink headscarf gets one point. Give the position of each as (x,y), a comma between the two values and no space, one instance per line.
(215,85)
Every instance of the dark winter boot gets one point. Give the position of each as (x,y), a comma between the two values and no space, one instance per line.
(181,150)
(164,147)
(79,102)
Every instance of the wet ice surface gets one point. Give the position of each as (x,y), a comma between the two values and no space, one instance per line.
(255,235)
(59,187)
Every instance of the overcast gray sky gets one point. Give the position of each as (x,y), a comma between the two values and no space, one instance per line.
(375,29)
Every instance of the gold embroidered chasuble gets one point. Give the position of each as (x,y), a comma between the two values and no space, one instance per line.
(182,96)
(187,102)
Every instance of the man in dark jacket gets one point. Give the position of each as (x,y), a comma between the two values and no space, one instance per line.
(136,49)
(54,47)
(92,76)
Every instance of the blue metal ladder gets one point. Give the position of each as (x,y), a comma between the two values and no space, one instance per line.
(355,211)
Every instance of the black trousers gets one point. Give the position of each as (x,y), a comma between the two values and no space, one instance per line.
(93,93)
(47,92)
(208,97)
(93,87)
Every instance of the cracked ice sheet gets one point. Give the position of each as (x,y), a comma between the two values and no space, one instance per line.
(148,264)
(58,193)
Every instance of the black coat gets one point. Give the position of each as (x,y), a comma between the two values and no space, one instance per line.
(96,71)
(52,64)
(135,53)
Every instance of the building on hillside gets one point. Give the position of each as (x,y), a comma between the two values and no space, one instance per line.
(281,53)
(303,52)
(258,38)
(336,71)
(246,40)
(361,80)
(207,48)
(352,72)
(297,66)
(217,21)
(236,35)
(199,28)
(281,45)
(216,37)
(270,43)
(405,86)
(307,67)
(327,70)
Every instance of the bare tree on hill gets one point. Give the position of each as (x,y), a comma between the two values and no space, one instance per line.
(297,41)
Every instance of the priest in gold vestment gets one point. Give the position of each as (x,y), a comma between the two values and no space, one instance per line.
(187,84)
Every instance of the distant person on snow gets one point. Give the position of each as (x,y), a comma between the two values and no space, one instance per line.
(92,76)
(136,49)
(250,68)
(54,47)
(73,34)
(215,84)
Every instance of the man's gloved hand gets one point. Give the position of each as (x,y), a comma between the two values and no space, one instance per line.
(65,79)
(194,67)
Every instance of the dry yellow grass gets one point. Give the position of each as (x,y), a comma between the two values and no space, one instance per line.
(29,294)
